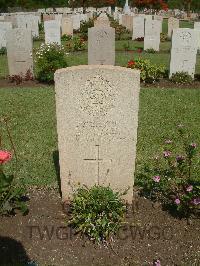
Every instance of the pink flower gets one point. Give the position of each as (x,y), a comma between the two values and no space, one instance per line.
(196,201)
(5,156)
(180,158)
(189,188)
(156,178)
(157,263)
(166,154)
(193,145)
(177,201)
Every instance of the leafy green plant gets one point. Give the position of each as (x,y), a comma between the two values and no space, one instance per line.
(97,212)
(66,37)
(121,33)
(150,51)
(163,37)
(149,72)
(85,25)
(41,27)
(11,191)
(76,44)
(49,58)
(181,78)
(173,176)
(3,51)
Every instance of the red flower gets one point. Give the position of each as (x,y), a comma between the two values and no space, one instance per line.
(5,156)
(131,63)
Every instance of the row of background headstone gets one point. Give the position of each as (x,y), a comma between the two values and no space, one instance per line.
(101,48)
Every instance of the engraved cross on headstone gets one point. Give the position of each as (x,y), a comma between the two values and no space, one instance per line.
(98,160)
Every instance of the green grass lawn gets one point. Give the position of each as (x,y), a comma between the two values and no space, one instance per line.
(122,57)
(33,125)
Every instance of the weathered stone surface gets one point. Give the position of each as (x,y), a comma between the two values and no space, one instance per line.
(97,118)
(4,27)
(19,51)
(138,27)
(29,22)
(102,20)
(184,51)
(173,23)
(52,31)
(197,27)
(101,46)
(67,26)
(152,35)
(47,17)
(76,21)
(127,21)
(58,17)
(160,18)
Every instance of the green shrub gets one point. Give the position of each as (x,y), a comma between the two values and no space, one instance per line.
(66,37)
(181,78)
(121,33)
(41,27)
(149,72)
(163,37)
(97,212)
(76,44)
(3,51)
(11,190)
(49,58)
(85,25)
(150,51)
(173,175)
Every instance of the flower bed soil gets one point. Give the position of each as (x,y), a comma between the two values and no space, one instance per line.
(162,84)
(150,234)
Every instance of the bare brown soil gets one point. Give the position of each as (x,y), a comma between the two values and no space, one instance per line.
(162,84)
(150,233)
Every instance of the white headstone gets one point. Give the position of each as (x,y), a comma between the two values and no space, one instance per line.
(197,27)
(76,22)
(152,35)
(19,51)
(184,51)
(101,46)
(67,26)
(173,23)
(4,27)
(29,22)
(97,119)
(138,27)
(58,17)
(52,31)
(160,18)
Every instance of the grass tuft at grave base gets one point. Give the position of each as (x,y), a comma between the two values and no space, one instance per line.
(32,120)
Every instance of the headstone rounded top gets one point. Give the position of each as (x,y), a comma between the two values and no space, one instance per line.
(94,67)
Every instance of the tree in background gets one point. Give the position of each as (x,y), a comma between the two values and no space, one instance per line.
(150,4)
(188,5)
